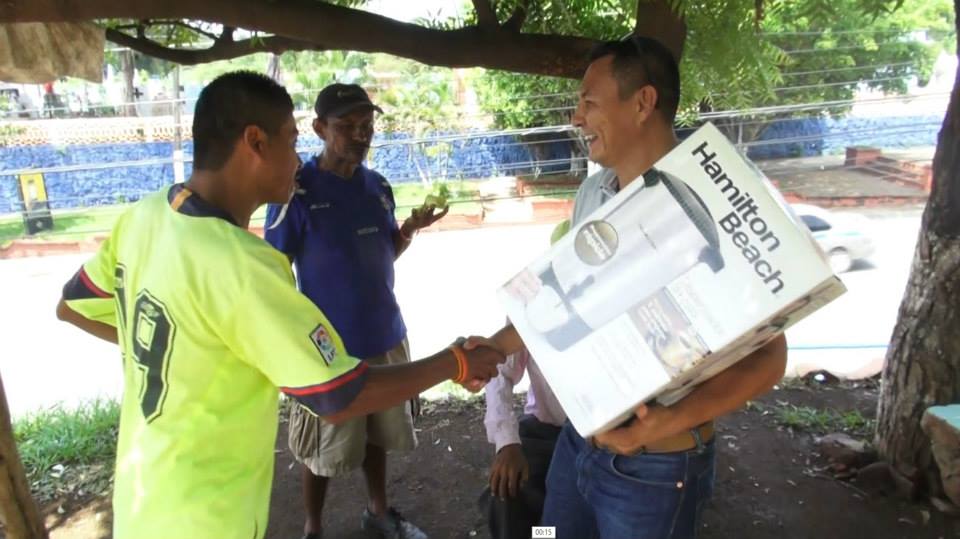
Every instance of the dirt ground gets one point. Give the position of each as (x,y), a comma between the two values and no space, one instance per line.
(770,482)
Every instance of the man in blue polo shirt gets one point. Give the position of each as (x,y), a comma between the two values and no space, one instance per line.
(340,232)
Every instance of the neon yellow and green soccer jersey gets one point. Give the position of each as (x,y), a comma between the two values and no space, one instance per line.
(210,325)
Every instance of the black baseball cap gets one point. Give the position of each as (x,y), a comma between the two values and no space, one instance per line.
(338,99)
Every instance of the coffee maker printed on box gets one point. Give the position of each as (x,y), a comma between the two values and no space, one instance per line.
(667,229)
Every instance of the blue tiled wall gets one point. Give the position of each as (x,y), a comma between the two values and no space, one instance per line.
(400,161)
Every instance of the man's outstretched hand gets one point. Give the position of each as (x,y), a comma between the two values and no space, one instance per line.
(482,362)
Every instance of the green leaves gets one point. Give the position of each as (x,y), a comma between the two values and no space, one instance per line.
(801,51)
(305,73)
(517,100)
(421,99)
(805,51)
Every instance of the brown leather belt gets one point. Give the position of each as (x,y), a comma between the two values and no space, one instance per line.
(684,441)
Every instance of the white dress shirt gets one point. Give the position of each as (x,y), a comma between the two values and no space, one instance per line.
(503,427)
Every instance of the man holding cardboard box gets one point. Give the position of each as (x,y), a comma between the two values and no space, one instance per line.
(649,477)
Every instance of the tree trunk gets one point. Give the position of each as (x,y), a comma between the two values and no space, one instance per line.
(273,68)
(17,510)
(923,362)
(129,92)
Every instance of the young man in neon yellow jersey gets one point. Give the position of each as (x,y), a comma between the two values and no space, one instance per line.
(210,325)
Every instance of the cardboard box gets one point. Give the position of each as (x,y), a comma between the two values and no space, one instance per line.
(684,272)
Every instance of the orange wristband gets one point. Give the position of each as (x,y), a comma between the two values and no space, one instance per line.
(461,364)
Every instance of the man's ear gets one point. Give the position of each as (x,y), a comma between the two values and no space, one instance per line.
(645,102)
(320,128)
(254,139)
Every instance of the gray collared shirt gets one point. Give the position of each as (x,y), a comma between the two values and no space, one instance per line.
(594,191)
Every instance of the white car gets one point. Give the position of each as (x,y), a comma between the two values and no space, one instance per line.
(842,236)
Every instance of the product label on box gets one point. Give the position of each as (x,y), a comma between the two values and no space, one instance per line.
(682,273)
(668,333)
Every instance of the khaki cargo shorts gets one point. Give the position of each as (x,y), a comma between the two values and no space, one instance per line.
(331,450)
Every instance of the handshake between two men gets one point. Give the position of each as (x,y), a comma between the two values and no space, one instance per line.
(469,362)
(477,354)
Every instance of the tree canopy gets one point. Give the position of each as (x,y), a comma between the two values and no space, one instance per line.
(740,53)
(545,37)
(792,55)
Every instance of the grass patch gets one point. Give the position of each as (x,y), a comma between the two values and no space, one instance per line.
(464,200)
(794,383)
(83,223)
(412,194)
(69,449)
(563,187)
(810,419)
(79,224)
(464,197)
(452,402)
(67,225)
(448,390)
(557,186)
(10,229)
(562,193)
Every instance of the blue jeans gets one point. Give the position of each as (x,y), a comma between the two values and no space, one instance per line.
(594,493)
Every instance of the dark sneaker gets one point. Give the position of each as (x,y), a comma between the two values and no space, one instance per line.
(390,526)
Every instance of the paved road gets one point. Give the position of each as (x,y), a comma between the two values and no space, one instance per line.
(444,285)
(850,335)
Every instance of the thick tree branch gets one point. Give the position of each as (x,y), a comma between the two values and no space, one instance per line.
(517,18)
(194,29)
(332,27)
(486,16)
(220,50)
(176,22)
(657,19)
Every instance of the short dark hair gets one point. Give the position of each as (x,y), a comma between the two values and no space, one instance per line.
(227,106)
(639,61)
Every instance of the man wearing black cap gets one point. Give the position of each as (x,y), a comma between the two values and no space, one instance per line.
(339,231)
